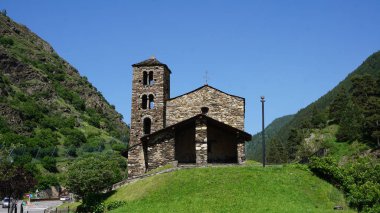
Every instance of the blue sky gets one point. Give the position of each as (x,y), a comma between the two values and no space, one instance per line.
(291,51)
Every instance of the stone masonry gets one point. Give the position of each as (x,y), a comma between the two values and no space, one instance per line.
(201,141)
(159,89)
(153,110)
(222,107)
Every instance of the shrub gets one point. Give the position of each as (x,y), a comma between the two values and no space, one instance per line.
(115,204)
(88,177)
(72,151)
(94,145)
(119,147)
(6,41)
(74,137)
(46,181)
(360,180)
(49,163)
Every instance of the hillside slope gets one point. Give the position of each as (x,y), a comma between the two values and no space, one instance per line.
(352,106)
(231,189)
(254,147)
(49,113)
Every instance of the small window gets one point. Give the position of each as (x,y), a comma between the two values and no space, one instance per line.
(144,102)
(151,102)
(145,78)
(147,126)
(151,80)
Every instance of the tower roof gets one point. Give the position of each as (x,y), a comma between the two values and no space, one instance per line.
(151,62)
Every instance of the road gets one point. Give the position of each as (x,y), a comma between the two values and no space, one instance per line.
(35,207)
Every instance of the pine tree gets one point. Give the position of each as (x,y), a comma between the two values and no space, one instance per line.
(294,141)
(350,126)
(338,105)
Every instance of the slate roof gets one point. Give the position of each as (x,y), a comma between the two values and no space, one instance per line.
(211,121)
(151,62)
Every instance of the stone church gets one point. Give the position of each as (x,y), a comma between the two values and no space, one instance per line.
(203,126)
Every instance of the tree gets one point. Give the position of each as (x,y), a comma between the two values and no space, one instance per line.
(74,137)
(294,141)
(89,176)
(15,180)
(338,105)
(350,126)
(49,163)
(276,153)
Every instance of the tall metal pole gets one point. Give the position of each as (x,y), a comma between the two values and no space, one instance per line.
(263,129)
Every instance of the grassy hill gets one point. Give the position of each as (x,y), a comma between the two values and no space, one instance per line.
(231,189)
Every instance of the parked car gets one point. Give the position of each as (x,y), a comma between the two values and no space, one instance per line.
(64,198)
(6,202)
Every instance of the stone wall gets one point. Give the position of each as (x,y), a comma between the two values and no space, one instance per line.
(160,90)
(160,150)
(222,107)
(241,152)
(201,141)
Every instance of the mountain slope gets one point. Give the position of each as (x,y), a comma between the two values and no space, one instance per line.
(254,147)
(48,111)
(371,66)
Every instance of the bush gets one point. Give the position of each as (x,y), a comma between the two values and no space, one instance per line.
(115,204)
(46,181)
(119,147)
(72,151)
(88,177)
(49,163)
(74,137)
(359,179)
(6,41)
(94,145)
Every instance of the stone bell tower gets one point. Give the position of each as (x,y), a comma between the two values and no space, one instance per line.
(150,91)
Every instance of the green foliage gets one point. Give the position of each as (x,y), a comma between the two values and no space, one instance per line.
(294,141)
(6,41)
(55,122)
(74,137)
(71,96)
(119,147)
(3,126)
(277,153)
(9,138)
(44,138)
(361,88)
(49,163)
(360,179)
(15,180)
(91,175)
(115,204)
(46,181)
(254,147)
(71,151)
(94,117)
(338,106)
(318,118)
(350,124)
(94,144)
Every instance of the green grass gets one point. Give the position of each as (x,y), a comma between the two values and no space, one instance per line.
(231,189)
(162,168)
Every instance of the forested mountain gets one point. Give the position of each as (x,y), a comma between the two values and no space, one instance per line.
(254,147)
(348,112)
(49,113)
(338,136)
